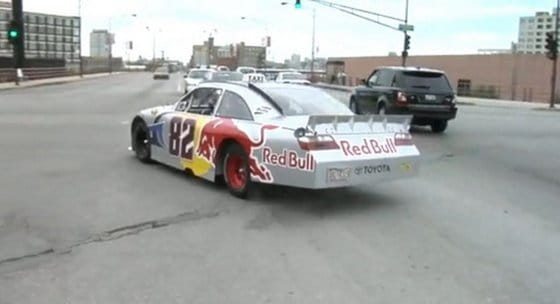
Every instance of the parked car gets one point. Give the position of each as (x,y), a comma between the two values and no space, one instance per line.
(161,73)
(292,77)
(194,78)
(223,68)
(423,93)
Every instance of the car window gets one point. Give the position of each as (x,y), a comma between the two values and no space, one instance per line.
(435,82)
(204,100)
(373,78)
(233,106)
(184,102)
(306,101)
(385,78)
(198,74)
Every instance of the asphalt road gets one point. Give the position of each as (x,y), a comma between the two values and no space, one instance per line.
(481,224)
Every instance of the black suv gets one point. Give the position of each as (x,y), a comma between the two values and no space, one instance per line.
(424,93)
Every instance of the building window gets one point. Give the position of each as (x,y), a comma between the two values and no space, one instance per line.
(539,26)
(539,33)
(549,20)
(538,46)
(531,20)
(540,20)
(548,26)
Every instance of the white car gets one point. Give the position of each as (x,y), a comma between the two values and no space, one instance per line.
(254,78)
(246,70)
(292,77)
(195,77)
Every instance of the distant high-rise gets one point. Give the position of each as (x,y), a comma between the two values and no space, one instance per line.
(99,41)
(532,32)
(295,61)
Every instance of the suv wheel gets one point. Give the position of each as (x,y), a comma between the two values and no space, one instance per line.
(354,106)
(381,109)
(439,126)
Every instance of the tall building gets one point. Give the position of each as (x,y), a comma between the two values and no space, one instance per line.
(532,32)
(253,56)
(235,55)
(99,41)
(46,36)
(295,61)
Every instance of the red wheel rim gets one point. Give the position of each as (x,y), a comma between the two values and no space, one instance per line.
(235,170)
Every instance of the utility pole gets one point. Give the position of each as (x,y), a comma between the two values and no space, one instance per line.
(555,58)
(19,43)
(313,49)
(406,37)
(80,30)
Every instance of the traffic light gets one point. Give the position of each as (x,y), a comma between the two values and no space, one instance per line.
(407,42)
(14,32)
(551,46)
(298,4)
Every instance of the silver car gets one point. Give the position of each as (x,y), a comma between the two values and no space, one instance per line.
(273,133)
(194,78)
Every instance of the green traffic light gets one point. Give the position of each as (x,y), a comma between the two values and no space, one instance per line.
(13,34)
(298,4)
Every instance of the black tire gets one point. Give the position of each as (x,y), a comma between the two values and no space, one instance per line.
(354,106)
(439,126)
(237,176)
(141,142)
(381,109)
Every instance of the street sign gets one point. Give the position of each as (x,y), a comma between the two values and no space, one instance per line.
(406,27)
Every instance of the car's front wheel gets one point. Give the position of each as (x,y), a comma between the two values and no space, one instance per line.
(439,126)
(141,142)
(236,171)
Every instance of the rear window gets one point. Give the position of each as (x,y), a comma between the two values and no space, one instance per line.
(435,82)
(293,76)
(306,101)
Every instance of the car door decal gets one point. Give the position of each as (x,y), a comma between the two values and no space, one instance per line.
(181,137)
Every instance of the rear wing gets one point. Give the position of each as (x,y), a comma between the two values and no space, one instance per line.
(354,124)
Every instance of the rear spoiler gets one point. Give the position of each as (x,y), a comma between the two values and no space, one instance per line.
(359,123)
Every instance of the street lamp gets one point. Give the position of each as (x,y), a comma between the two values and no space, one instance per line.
(110,42)
(154,32)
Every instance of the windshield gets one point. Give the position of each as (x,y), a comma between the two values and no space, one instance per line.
(306,101)
(161,70)
(436,82)
(197,74)
(293,76)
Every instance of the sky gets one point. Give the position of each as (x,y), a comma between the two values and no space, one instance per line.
(441,26)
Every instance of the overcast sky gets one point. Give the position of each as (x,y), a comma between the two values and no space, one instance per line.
(441,26)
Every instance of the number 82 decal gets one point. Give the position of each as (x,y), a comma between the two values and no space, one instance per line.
(181,137)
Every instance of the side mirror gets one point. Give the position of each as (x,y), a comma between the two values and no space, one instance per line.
(364,81)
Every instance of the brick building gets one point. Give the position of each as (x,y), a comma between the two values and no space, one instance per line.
(524,77)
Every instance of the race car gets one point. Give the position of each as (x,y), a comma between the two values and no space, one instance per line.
(284,134)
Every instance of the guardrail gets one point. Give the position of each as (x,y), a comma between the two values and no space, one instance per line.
(9,75)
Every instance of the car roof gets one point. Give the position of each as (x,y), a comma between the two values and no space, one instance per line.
(203,70)
(410,69)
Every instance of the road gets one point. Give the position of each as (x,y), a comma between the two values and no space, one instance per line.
(479,225)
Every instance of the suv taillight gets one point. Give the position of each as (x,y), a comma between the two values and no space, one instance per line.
(401,98)
(403,139)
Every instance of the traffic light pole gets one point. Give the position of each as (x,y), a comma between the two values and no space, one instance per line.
(555,59)
(405,45)
(19,46)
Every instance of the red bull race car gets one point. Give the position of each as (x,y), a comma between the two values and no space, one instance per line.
(284,134)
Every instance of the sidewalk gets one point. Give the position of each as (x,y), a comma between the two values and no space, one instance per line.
(473,101)
(51,81)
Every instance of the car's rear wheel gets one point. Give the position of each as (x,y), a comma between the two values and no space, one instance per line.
(236,171)
(141,142)
(439,126)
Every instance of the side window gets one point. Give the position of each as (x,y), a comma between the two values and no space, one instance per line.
(204,100)
(372,81)
(233,106)
(184,103)
(385,78)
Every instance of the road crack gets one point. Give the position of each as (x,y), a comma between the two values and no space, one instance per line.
(118,233)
